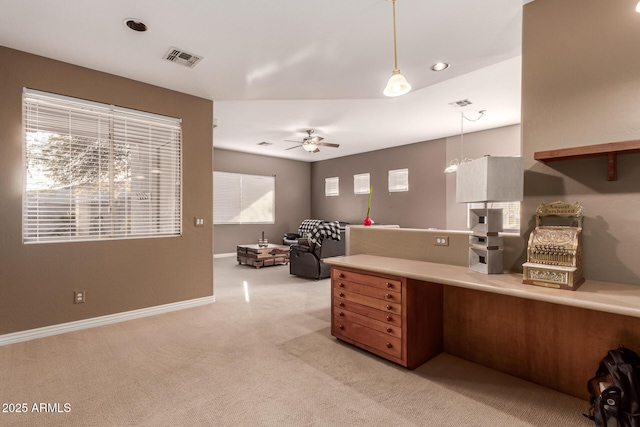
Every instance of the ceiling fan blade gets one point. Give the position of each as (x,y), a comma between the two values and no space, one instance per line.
(291,148)
(328,144)
(289,140)
(316,150)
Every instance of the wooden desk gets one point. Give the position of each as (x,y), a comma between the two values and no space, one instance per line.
(262,256)
(551,337)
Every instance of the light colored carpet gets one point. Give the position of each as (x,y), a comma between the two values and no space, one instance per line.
(268,361)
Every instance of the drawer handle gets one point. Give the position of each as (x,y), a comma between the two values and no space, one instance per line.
(341,285)
(389,345)
(389,318)
(341,276)
(389,285)
(389,296)
(389,330)
(341,304)
(341,314)
(389,307)
(341,294)
(341,327)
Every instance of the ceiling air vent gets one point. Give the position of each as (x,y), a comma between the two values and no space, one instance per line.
(181,57)
(265,143)
(461,103)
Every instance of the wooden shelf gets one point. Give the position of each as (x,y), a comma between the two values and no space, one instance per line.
(610,150)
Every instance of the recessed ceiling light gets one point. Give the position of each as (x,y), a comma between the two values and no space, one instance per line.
(440,66)
(135,24)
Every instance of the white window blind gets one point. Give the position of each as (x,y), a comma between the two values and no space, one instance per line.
(398,180)
(243,199)
(332,186)
(98,172)
(361,183)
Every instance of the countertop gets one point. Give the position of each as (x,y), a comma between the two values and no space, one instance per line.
(602,296)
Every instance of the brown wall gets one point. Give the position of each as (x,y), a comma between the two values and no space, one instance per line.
(580,86)
(293,199)
(423,206)
(37,281)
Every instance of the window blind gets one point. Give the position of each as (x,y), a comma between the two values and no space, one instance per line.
(98,172)
(361,183)
(332,186)
(398,180)
(243,199)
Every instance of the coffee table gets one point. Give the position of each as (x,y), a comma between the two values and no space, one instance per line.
(262,256)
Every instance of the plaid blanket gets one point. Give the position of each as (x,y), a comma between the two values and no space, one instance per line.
(325,229)
(308,225)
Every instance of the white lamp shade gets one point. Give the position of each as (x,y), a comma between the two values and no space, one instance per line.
(490,179)
(397,85)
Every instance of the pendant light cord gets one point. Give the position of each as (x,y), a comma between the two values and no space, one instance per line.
(462,119)
(395,53)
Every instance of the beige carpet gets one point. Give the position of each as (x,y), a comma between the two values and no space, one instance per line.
(268,361)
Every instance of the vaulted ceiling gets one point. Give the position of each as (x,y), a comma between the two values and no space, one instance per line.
(275,68)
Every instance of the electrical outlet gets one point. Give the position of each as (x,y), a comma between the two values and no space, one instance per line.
(198,222)
(442,241)
(79,297)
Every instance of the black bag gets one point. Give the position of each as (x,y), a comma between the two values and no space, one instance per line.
(615,390)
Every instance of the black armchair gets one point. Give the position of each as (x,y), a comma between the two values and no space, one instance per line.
(306,256)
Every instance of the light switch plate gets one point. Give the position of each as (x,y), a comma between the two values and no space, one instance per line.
(198,222)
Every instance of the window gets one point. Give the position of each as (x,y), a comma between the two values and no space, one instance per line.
(243,199)
(398,180)
(510,214)
(332,186)
(361,183)
(98,172)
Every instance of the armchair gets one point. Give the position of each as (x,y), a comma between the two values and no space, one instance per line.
(326,240)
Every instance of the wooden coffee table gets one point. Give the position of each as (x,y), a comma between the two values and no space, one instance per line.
(262,256)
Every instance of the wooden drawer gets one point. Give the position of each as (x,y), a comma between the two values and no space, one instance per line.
(372,291)
(366,279)
(376,325)
(373,313)
(377,303)
(367,336)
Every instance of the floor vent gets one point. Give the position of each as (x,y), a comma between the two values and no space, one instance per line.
(181,57)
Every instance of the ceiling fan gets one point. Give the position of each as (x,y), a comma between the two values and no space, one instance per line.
(311,143)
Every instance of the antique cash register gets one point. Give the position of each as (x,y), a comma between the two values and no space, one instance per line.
(554,252)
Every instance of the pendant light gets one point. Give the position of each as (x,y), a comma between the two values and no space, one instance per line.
(453,165)
(397,84)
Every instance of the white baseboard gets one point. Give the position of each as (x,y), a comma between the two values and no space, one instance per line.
(63,328)
(227,255)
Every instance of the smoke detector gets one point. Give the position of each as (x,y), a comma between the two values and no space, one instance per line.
(182,57)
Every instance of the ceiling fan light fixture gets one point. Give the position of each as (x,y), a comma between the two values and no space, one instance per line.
(397,85)
(310,147)
(638,7)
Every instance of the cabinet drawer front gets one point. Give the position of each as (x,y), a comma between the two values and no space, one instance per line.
(376,325)
(382,316)
(371,291)
(367,336)
(366,279)
(386,306)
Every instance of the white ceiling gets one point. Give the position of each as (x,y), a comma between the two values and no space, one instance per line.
(275,68)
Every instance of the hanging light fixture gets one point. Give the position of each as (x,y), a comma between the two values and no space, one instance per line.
(453,165)
(397,84)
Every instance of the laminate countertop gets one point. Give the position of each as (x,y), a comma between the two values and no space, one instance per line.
(601,296)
